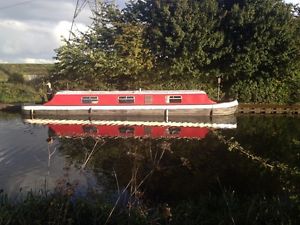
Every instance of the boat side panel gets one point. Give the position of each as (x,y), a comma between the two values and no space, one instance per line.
(224,111)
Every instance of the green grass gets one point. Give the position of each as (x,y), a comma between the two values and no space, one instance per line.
(233,209)
(56,209)
(13,85)
(6,70)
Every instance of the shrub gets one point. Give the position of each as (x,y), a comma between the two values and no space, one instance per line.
(16,78)
(18,93)
(266,91)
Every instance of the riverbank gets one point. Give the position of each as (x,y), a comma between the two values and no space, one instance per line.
(10,107)
(27,71)
(17,93)
(251,108)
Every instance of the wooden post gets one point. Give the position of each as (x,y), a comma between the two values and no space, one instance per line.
(219,84)
(31,114)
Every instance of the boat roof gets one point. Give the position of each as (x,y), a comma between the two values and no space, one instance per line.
(168,92)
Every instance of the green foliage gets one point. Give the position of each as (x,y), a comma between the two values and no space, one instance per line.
(16,78)
(183,35)
(234,209)
(111,55)
(269,90)
(262,38)
(7,70)
(53,209)
(18,93)
(210,89)
(212,209)
(134,59)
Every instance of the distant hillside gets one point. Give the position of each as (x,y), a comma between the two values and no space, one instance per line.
(29,71)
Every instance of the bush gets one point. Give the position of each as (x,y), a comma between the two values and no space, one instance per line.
(187,85)
(228,208)
(16,78)
(266,91)
(18,93)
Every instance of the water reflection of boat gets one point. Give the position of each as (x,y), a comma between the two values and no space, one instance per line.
(118,128)
(127,131)
(230,119)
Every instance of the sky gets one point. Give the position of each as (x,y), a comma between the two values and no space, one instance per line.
(30,30)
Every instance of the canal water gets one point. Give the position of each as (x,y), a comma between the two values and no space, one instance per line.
(254,154)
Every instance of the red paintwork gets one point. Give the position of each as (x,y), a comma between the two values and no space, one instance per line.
(112,99)
(132,131)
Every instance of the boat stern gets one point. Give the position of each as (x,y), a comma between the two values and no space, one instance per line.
(226,108)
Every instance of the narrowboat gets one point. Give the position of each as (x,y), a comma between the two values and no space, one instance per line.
(139,102)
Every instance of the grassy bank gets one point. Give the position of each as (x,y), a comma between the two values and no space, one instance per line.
(227,208)
(20,83)
(7,70)
(18,93)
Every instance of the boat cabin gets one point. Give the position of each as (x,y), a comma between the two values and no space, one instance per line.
(119,98)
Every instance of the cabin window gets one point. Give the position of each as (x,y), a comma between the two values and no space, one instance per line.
(126,99)
(174,99)
(173,130)
(126,130)
(89,100)
(88,129)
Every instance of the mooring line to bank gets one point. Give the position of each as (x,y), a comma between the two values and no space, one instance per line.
(234,145)
(131,123)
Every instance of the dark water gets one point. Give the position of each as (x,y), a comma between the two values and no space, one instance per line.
(260,155)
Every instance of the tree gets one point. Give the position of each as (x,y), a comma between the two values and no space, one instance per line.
(16,78)
(110,55)
(183,35)
(261,36)
(133,58)
(83,60)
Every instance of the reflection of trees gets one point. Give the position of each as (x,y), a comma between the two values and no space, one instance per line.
(288,175)
(168,169)
(271,142)
(272,137)
(9,116)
